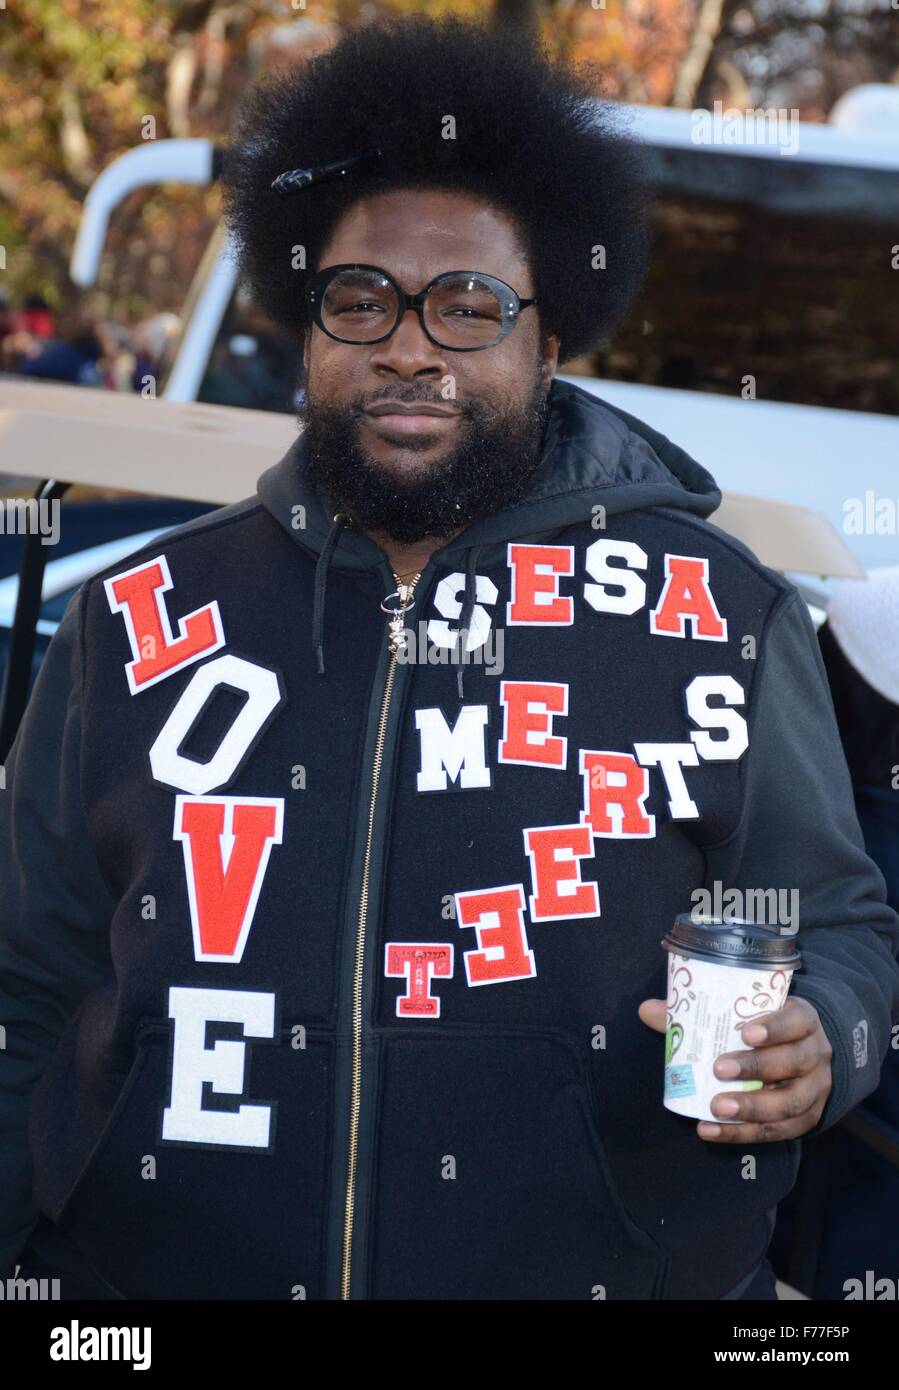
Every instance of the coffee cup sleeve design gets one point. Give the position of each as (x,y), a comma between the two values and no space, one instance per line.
(766,998)
(674,1036)
(680,996)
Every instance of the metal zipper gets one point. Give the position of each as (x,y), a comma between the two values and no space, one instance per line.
(397,614)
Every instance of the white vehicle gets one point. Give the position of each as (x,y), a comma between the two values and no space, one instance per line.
(808,488)
(837,462)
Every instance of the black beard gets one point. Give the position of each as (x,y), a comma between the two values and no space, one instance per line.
(489,468)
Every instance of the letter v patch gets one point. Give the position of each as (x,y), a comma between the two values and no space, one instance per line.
(227,841)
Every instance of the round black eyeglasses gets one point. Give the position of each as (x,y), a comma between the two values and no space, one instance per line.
(463,310)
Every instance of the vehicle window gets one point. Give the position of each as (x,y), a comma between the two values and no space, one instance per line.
(762,268)
(253,363)
(803,302)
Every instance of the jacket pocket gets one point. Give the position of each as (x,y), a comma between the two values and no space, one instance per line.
(48,1254)
(491,1177)
(61,1205)
(73,1107)
(161,1219)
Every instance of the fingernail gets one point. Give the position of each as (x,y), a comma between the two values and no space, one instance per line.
(708,1131)
(756,1033)
(727,1107)
(727,1068)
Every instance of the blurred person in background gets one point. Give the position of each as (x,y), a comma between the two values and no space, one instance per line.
(73,356)
(119,360)
(859,643)
(7,319)
(25,331)
(152,341)
(36,317)
(860,646)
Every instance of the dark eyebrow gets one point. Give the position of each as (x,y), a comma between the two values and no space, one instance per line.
(361,278)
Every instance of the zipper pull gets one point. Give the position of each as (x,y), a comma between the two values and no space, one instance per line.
(397,612)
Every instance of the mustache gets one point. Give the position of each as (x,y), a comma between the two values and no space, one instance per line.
(409,396)
(355,408)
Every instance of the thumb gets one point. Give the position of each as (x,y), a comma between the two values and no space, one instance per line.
(654,1014)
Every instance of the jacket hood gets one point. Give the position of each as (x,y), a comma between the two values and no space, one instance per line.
(593,454)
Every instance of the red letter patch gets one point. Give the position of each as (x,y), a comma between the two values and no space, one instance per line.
(497,915)
(419,961)
(227,841)
(554,852)
(536,601)
(137,595)
(616,781)
(528,709)
(687,595)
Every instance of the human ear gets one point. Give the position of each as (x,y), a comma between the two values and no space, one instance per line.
(551,349)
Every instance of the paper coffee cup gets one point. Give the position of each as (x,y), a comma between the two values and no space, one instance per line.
(721,975)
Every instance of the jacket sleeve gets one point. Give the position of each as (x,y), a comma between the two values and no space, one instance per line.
(55,910)
(799,830)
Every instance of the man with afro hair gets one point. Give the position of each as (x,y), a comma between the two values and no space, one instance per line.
(345,822)
(479,148)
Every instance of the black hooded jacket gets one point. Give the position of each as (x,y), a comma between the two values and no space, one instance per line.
(294,1005)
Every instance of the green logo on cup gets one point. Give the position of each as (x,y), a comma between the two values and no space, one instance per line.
(674,1036)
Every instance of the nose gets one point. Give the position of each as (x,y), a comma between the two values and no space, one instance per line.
(409,352)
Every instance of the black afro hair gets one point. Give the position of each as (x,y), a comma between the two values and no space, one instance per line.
(531,139)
